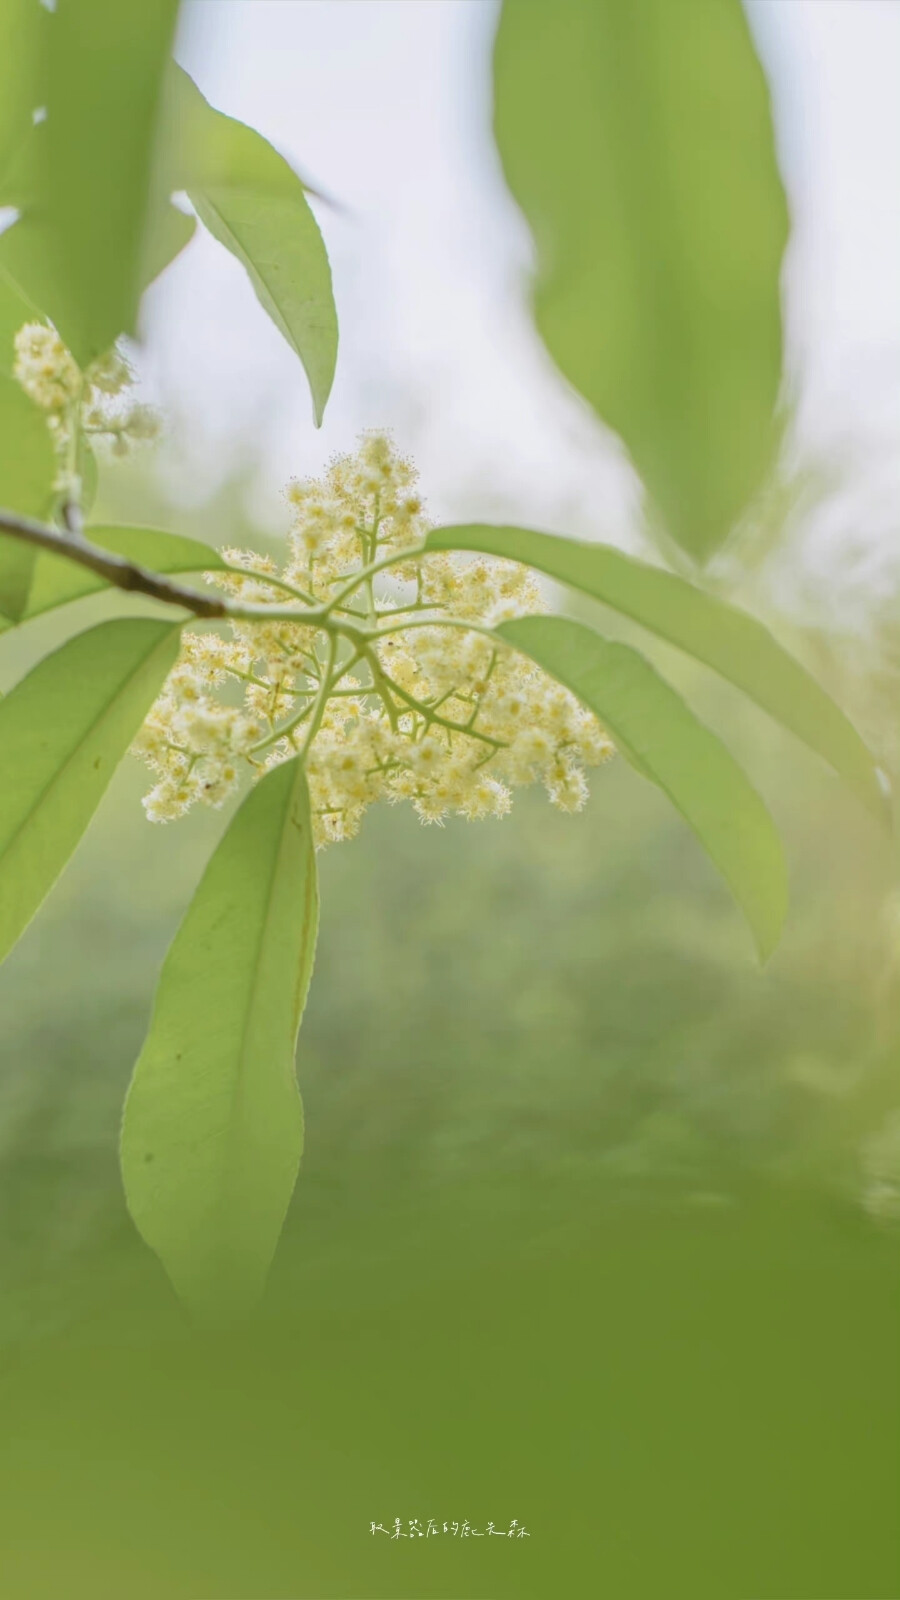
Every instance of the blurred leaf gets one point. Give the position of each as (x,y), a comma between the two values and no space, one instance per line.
(172,231)
(22,25)
(77,251)
(730,641)
(27,265)
(16,570)
(637,139)
(253,202)
(90,475)
(213,1127)
(20,181)
(27,470)
(56,581)
(63,731)
(15,311)
(661,737)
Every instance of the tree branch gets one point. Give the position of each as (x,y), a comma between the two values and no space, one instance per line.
(115,570)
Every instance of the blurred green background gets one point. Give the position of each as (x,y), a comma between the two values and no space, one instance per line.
(597,1225)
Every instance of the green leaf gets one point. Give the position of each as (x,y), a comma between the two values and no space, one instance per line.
(78,250)
(63,731)
(22,27)
(27,470)
(173,230)
(15,311)
(253,202)
(89,473)
(661,737)
(56,581)
(213,1128)
(637,139)
(725,638)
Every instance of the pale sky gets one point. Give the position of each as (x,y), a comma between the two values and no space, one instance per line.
(385,104)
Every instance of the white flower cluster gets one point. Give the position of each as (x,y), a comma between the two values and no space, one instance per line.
(94,400)
(408,704)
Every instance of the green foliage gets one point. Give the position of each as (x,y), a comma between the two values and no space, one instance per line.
(77,251)
(536,1013)
(14,311)
(171,232)
(22,25)
(725,638)
(63,731)
(637,140)
(27,469)
(124,128)
(89,473)
(252,201)
(56,581)
(213,1127)
(662,738)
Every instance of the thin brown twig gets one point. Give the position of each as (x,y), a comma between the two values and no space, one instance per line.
(116,570)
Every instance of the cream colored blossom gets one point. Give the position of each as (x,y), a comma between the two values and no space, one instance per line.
(44,367)
(412,706)
(96,401)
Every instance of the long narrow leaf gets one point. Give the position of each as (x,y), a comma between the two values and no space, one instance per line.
(660,735)
(637,137)
(253,202)
(213,1128)
(78,249)
(63,731)
(725,638)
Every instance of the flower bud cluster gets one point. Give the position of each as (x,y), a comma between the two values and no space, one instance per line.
(94,403)
(396,699)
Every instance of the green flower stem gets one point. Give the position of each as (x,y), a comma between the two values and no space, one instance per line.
(262,683)
(129,576)
(322,697)
(381,685)
(365,574)
(437,622)
(70,508)
(267,577)
(331,676)
(432,716)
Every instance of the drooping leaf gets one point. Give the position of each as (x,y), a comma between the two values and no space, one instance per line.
(657,732)
(23,261)
(253,202)
(56,581)
(637,139)
(172,231)
(77,251)
(213,1127)
(63,731)
(27,470)
(722,636)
